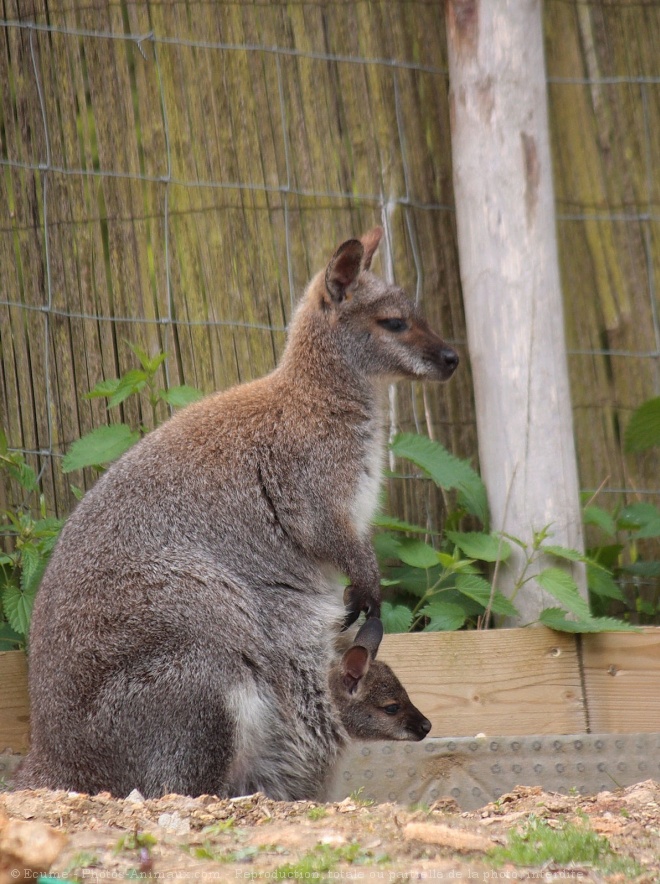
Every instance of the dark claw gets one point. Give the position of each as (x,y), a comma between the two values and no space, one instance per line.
(356,602)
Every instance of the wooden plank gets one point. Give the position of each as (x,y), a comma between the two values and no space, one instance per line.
(14,707)
(622,681)
(498,682)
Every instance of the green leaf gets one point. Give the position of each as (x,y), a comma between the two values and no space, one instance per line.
(637,515)
(386,546)
(417,554)
(48,527)
(643,569)
(555,618)
(417,581)
(132,382)
(477,545)
(391,523)
(149,363)
(445,470)
(561,586)
(651,529)
(479,590)
(33,565)
(643,430)
(23,474)
(594,515)
(103,389)
(10,640)
(569,555)
(179,397)
(101,446)
(603,584)
(396,618)
(18,608)
(443,616)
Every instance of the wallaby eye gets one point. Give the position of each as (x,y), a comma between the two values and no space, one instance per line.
(393,324)
(392,709)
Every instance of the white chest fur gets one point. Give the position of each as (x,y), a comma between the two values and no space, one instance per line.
(365,501)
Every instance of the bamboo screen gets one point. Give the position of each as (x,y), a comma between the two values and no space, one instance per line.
(172,172)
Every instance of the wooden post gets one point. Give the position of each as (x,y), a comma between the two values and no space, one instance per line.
(509,270)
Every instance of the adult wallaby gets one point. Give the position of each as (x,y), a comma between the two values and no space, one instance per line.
(183,632)
(372,702)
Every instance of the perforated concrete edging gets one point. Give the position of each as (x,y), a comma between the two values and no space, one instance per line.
(474,771)
(477,770)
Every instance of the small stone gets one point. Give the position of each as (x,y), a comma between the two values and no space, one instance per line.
(172,822)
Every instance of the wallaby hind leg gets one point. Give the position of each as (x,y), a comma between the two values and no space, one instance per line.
(171,730)
(161,727)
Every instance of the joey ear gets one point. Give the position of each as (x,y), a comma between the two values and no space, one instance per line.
(370,242)
(343,269)
(354,666)
(370,635)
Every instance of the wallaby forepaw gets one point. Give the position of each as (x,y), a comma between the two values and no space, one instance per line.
(358,600)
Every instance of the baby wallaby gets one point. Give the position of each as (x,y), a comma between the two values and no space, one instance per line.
(372,702)
(183,631)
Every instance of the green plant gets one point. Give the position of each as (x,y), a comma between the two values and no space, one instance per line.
(29,532)
(135,840)
(28,543)
(356,798)
(537,842)
(219,827)
(322,859)
(627,577)
(444,584)
(84,859)
(107,443)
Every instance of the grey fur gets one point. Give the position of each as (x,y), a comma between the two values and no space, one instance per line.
(183,632)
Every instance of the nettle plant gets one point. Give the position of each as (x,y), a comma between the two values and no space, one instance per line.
(28,538)
(105,444)
(447,581)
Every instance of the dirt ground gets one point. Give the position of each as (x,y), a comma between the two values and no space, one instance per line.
(251,838)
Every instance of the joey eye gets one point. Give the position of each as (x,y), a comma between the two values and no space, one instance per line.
(392,709)
(393,324)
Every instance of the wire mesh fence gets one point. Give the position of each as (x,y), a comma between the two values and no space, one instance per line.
(171,173)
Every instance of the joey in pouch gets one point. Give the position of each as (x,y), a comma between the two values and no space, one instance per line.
(183,632)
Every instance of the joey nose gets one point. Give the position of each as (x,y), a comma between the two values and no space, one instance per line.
(425,725)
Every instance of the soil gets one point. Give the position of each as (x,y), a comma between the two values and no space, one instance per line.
(99,838)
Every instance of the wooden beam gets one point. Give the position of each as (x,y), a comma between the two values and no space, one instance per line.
(622,681)
(497,682)
(14,707)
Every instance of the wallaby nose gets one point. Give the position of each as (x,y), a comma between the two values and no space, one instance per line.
(425,725)
(450,358)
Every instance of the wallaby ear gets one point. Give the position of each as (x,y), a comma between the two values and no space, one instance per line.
(370,635)
(354,666)
(370,242)
(343,269)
